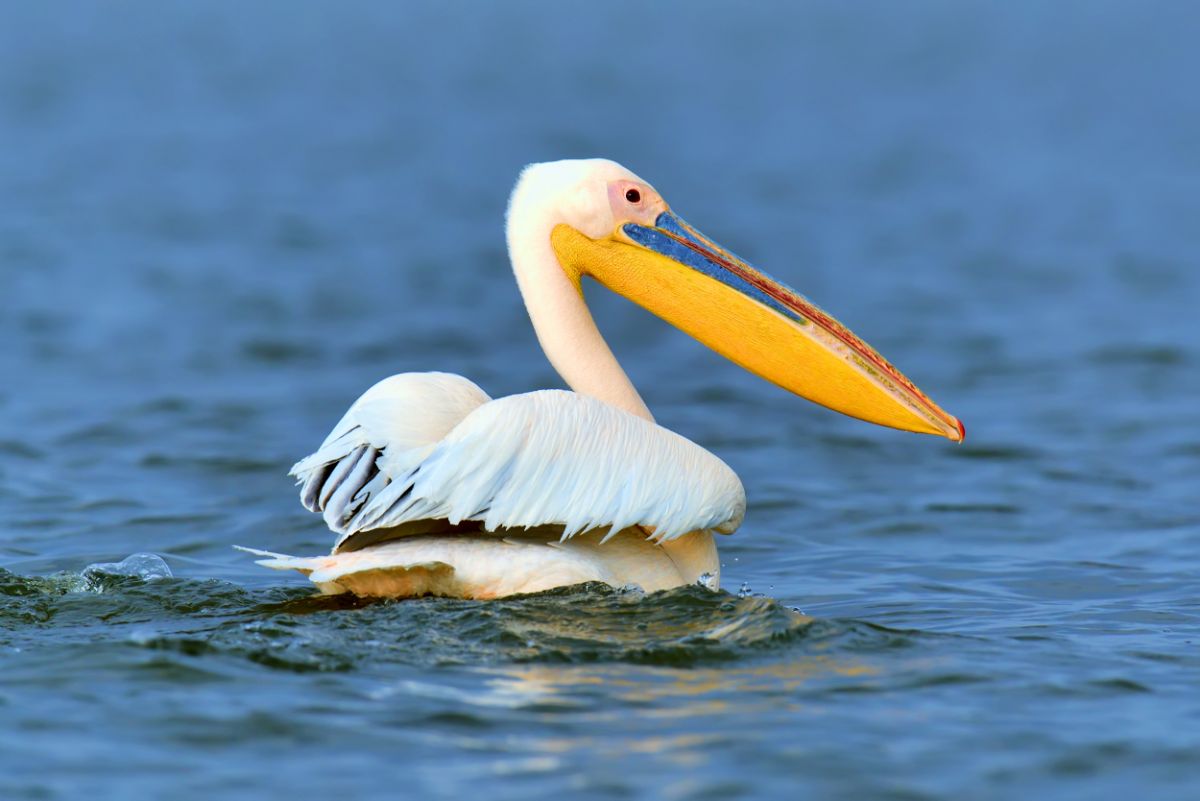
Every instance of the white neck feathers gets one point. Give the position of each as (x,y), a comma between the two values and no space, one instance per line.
(564,326)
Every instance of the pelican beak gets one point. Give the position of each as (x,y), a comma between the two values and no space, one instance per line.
(682,276)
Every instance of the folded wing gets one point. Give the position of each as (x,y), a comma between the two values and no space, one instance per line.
(404,414)
(548,458)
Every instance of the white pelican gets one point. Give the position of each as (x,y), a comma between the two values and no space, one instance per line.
(436,489)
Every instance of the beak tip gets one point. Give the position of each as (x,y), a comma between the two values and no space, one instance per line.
(962,430)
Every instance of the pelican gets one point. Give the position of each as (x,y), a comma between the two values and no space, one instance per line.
(433,488)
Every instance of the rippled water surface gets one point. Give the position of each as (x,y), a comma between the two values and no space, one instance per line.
(219,223)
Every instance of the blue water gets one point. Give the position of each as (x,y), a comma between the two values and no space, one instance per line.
(220,222)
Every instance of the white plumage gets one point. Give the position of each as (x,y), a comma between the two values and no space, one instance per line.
(422,460)
(433,488)
(542,458)
(397,421)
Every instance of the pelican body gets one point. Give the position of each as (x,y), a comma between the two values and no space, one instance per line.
(433,488)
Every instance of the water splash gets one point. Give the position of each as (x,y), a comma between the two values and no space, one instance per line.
(144,566)
(101,577)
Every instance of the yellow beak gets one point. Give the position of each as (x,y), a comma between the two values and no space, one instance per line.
(683,277)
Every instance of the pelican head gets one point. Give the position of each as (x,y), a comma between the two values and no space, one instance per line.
(607,223)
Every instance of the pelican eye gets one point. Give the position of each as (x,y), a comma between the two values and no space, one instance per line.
(633,196)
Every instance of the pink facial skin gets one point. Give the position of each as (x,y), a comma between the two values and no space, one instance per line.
(634,202)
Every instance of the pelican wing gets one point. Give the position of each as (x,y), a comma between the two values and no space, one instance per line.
(404,414)
(542,458)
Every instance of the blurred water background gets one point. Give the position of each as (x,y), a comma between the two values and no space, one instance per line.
(220,222)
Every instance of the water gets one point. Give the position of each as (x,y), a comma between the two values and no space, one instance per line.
(220,223)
